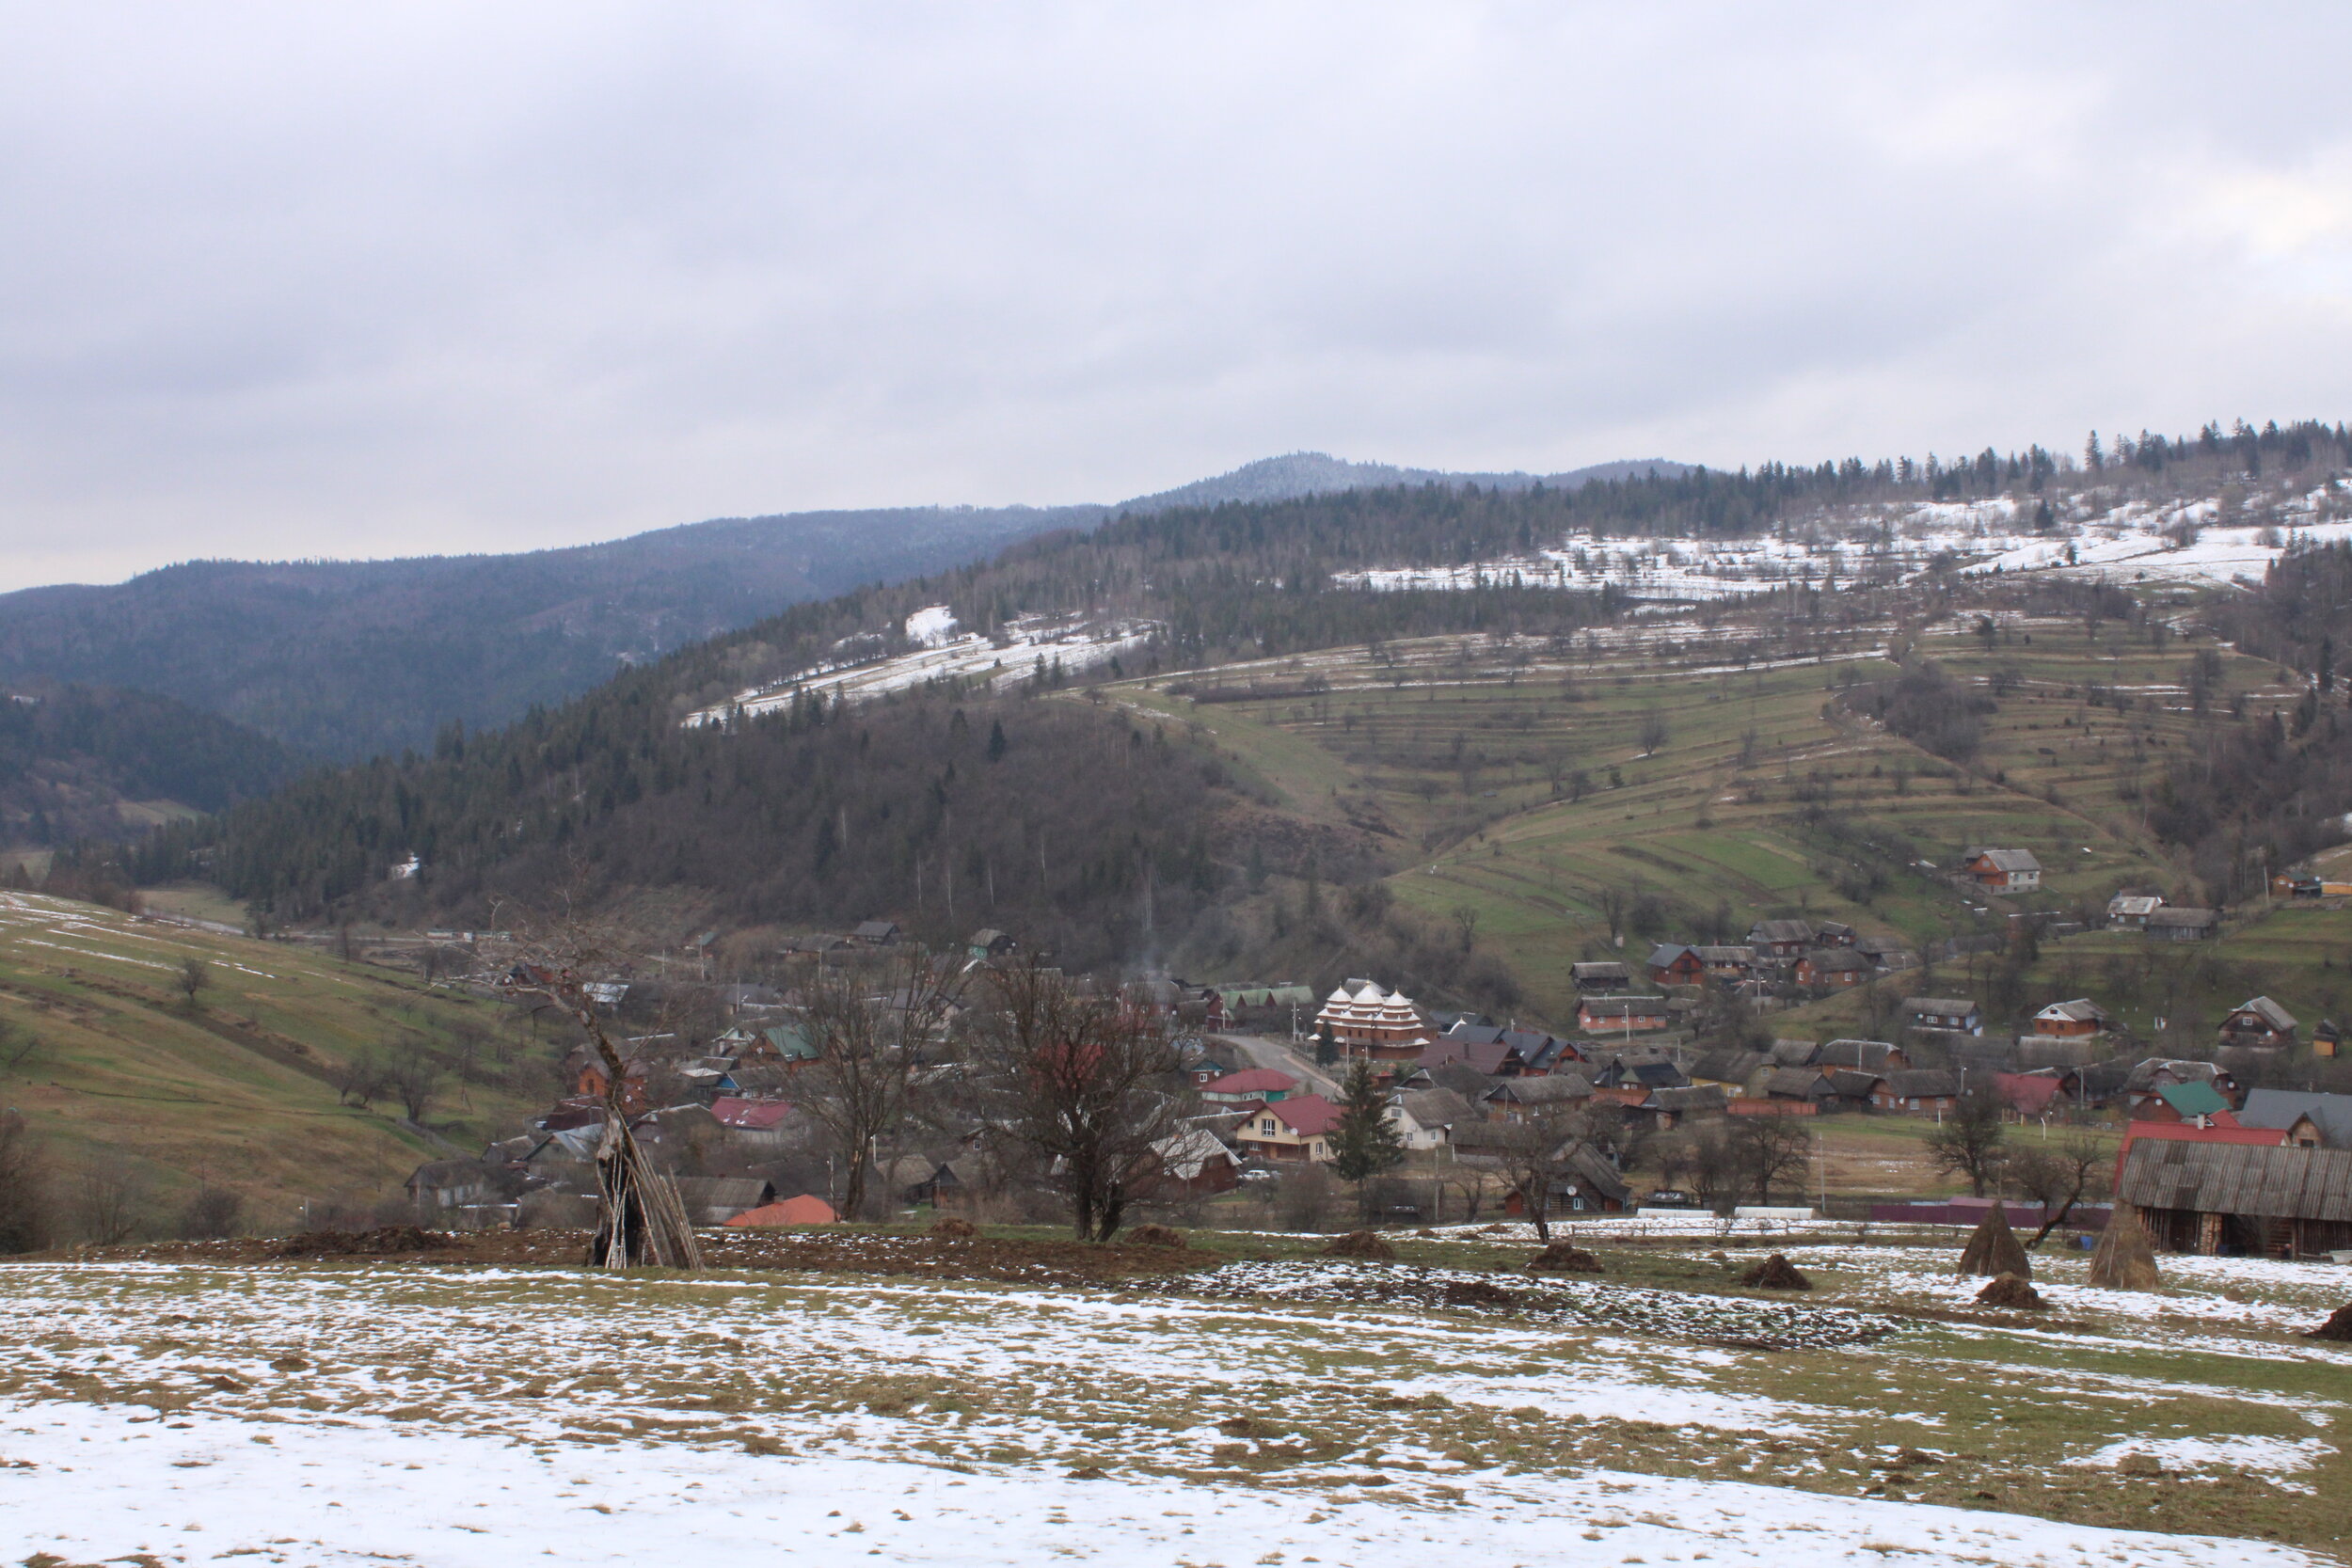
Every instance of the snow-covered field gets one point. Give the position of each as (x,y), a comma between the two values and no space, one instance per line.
(2173,541)
(1263,1413)
(1024,645)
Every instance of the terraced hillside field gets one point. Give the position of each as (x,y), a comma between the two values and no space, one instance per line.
(1700,778)
(116,1071)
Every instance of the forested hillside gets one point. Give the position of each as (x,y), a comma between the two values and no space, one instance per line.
(71,757)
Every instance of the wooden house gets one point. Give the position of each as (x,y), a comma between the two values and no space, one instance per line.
(1957,1014)
(2212,1198)
(2309,1118)
(1602,978)
(1832,969)
(1781,939)
(2181,925)
(2259,1025)
(1519,1098)
(1673,964)
(1862,1055)
(2065,1020)
(876,933)
(1917,1091)
(2002,870)
(1618,1015)
(2129,912)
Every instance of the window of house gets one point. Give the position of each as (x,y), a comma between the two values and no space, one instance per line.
(1266,1126)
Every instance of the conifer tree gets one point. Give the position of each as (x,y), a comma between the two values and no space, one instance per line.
(1364,1142)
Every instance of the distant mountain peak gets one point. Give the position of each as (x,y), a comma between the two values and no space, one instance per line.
(1313,473)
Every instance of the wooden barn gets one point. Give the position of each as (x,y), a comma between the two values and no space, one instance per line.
(2214,1197)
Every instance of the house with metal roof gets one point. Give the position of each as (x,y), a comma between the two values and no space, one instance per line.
(2259,1025)
(2311,1120)
(2002,870)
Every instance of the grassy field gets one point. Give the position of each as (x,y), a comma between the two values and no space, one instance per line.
(121,1072)
(1453,1393)
(1528,783)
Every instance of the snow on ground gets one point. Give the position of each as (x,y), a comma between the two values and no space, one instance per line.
(1074,643)
(103,1484)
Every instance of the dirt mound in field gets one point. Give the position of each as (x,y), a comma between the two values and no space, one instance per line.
(1361,1243)
(1776,1273)
(954,1230)
(1565,1258)
(1477,1292)
(1157,1235)
(385,1241)
(2007,1289)
(2337,1327)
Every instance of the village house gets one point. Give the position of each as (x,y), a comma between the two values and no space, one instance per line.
(2129,912)
(1600,977)
(1885,953)
(1957,1014)
(1248,1086)
(1618,1015)
(1919,1091)
(1832,934)
(1673,964)
(2065,1020)
(2002,870)
(1670,1108)
(1517,1098)
(2326,1038)
(2259,1025)
(2143,1087)
(1295,1129)
(2181,925)
(989,942)
(2212,1198)
(1587,1184)
(1862,1055)
(2310,1120)
(1191,1162)
(1426,1118)
(1833,969)
(1368,1020)
(876,933)
(1806,1085)
(1731,1070)
(752,1125)
(1780,939)
(1638,1071)
(2038,1093)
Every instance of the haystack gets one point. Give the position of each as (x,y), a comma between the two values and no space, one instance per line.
(1565,1258)
(953,1229)
(2009,1291)
(1361,1243)
(1477,1292)
(1776,1273)
(1157,1235)
(2125,1261)
(2337,1327)
(1994,1249)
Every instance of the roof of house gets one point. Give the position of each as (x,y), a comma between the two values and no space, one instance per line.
(1837,960)
(1611,970)
(749,1115)
(1793,1052)
(1188,1150)
(1586,1169)
(2195,1097)
(1255,1080)
(1804,1082)
(2143,1074)
(1611,1007)
(1550,1090)
(2217,1178)
(1853,1083)
(1465,1045)
(871,929)
(1730,1065)
(2188,918)
(1687,1099)
(1777,931)
(1868,1056)
(2270,1012)
(2008,859)
(1435,1107)
(2134,903)
(1939,1007)
(1725,955)
(1922,1083)
(1664,955)
(802,1210)
(1310,1116)
(2283,1108)
(719,1196)
(2028,1093)
(2082,1009)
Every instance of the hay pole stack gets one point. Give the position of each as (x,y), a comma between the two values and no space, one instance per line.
(2125,1259)
(1993,1249)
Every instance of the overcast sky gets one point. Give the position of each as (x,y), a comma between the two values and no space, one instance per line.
(315,280)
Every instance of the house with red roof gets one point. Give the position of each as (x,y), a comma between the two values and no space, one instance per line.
(1249,1086)
(1298,1127)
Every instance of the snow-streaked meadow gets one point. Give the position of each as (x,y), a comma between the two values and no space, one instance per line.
(1277,1411)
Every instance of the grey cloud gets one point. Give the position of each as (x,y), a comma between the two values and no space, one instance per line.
(290,281)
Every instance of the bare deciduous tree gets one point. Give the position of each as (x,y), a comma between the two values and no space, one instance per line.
(194,974)
(871,1028)
(2058,1178)
(411,1076)
(1767,1149)
(1969,1142)
(109,1200)
(1082,1078)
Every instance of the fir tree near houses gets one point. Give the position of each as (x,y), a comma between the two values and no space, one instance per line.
(1365,1142)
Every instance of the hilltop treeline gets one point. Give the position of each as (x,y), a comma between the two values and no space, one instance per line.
(68,753)
(1085,831)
